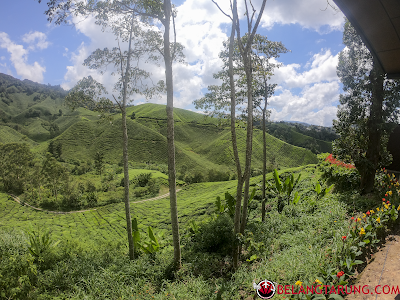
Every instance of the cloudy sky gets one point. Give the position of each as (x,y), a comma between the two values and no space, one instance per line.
(308,87)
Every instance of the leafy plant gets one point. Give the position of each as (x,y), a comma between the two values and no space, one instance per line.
(228,206)
(148,246)
(321,192)
(284,189)
(40,244)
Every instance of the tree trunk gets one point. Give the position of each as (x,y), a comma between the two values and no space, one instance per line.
(126,185)
(249,139)
(264,164)
(239,188)
(170,137)
(374,131)
(125,151)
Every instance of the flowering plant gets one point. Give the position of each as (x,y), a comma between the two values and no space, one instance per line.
(388,186)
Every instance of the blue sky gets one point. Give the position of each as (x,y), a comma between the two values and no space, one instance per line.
(308,88)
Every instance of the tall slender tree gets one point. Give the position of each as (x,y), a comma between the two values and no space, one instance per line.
(369,103)
(129,82)
(265,50)
(217,101)
(245,50)
(149,12)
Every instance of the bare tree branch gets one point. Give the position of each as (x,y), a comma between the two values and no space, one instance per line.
(222,10)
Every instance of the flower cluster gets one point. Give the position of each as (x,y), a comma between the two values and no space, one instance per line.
(388,186)
(365,233)
(339,163)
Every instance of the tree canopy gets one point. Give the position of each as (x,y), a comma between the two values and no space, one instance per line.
(368,106)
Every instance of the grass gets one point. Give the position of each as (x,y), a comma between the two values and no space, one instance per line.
(299,244)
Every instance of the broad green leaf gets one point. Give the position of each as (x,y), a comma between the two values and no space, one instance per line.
(278,183)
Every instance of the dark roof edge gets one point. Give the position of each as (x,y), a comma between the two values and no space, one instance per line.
(353,21)
(393,76)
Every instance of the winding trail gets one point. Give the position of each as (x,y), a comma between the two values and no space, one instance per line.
(85,210)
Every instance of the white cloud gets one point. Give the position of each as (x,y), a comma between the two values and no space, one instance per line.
(313,14)
(323,68)
(35,40)
(202,34)
(77,71)
(316,103)
(19,57)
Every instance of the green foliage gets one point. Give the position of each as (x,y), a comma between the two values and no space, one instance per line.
(368,105)
(55,174)
(142,179)
(344,179)
(304,242)
(40,245)
(18,272)
(215,236)
(321,192)
(283,190)
(387,186)
(226,207)
(99,162)
(149,245)
(15,159)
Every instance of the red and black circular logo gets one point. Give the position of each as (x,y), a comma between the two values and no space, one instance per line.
(265,289)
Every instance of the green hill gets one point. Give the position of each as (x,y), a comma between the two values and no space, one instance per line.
(9,135)
(36,110)
(35,113)
(201,145)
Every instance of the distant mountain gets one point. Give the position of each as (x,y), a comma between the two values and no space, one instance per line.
(318,139)
(297,122)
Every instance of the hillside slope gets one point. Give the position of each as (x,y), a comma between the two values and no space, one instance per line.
(201,144)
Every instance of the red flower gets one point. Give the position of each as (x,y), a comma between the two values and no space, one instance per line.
(387,202)
(368,213)
(340,274)
(383,199)
(386,195)
(352,218)
(344,238)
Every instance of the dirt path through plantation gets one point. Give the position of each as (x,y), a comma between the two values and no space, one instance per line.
(382,274)
(78,211)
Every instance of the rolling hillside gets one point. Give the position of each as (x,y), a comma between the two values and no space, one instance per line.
(201,144)
(35,113)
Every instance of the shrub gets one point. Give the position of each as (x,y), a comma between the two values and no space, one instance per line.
(18,272)
(215,175)
(91,199)
(343,175)
(215,236)
(140,191)
(142,179)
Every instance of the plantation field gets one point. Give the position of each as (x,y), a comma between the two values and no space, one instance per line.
(108,222)
(297,244)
